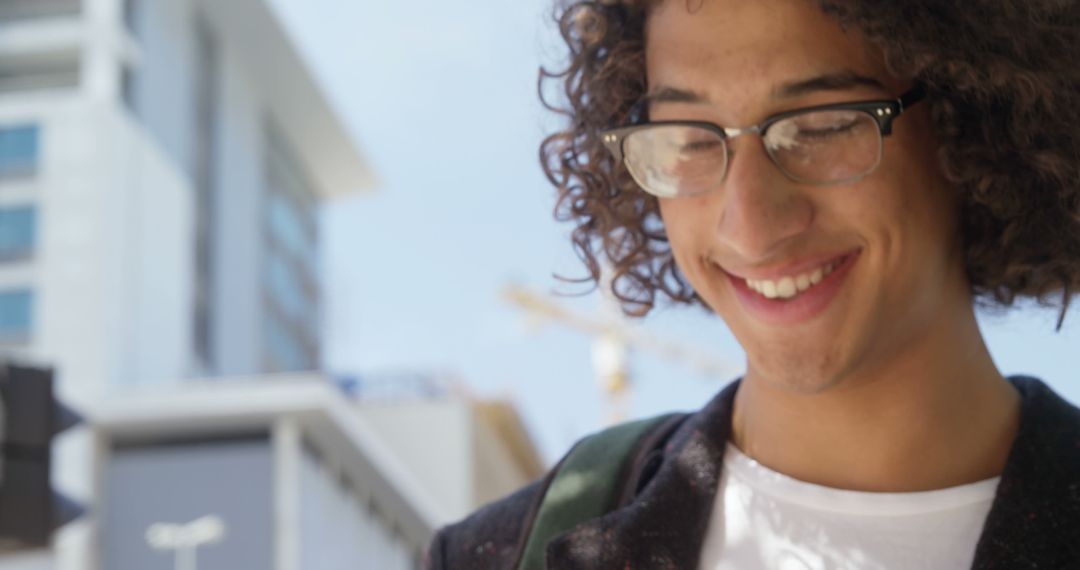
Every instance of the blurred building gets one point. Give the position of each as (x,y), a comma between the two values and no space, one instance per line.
(297,479)
(465,452)
(300,473)
(162,165)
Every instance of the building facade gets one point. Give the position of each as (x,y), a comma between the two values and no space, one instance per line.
(296,478)
(162,165)
(464,451)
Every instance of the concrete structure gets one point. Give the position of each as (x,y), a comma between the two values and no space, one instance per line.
(161,167)
(164,162)
(300,474)
(431,436)
(299,480)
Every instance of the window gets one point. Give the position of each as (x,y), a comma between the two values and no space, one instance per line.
(15,313)
(129,90)
(285,288)
(18,151)
(290,279)
(18,231)
(131,16)
(39,71)
(287,227)
(11,10)
(205,156)
(285,349)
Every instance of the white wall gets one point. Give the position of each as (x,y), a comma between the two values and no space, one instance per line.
(239,207)
(102,49)
(166,76)
(167,72)
(434,439)
(111,269)
(114,264)
(497,472)
(338,530)
(111,272)
(115,283)
(36,560)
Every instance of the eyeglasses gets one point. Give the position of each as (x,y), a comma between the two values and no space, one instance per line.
(822,145)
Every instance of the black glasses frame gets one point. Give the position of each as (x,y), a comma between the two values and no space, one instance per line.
(884,112)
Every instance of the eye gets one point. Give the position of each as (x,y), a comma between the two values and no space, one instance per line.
(826,131)
(815,128)
(696,141)
(700,146)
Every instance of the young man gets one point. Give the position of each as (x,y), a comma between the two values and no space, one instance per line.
(840,182)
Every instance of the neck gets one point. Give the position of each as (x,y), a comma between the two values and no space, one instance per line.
(938,417)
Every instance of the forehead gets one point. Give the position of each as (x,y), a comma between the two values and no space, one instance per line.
(725,49)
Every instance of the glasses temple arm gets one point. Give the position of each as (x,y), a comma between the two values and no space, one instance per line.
(914,95)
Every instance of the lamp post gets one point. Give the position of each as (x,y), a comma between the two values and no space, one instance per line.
(185,538)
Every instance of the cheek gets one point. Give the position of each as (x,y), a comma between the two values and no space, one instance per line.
(910,222)
(908,205)
(926,218)
(689,225)
(928,201)
(907,229)
(683,223)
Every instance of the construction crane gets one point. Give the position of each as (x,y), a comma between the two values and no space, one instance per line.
(613,340)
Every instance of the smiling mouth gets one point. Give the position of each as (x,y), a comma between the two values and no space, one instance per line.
(797,297)
(792,286)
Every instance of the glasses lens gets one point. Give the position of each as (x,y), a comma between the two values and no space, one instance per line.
(825,146)
(675,160)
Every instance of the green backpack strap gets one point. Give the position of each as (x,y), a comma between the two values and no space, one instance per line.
(586,485)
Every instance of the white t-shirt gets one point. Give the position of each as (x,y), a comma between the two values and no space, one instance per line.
(765,519)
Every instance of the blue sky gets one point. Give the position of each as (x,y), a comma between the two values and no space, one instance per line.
(442,98)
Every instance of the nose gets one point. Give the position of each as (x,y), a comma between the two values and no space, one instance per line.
(761,211)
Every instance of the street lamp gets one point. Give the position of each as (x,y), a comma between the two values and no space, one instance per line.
(185,538)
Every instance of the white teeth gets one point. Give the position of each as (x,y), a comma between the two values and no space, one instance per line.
(789,287)
(786,288)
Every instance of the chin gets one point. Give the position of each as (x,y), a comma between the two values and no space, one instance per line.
(800,372)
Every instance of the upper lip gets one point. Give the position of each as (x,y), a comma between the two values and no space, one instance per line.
(790,268)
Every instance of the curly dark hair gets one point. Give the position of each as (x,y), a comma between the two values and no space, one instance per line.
(1003,85)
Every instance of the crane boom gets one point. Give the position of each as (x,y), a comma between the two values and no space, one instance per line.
(540,306)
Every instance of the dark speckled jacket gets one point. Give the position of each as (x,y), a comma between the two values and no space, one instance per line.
(668,491)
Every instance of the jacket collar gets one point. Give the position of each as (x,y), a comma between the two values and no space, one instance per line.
(1033,521)
(665,525)
(1035,518)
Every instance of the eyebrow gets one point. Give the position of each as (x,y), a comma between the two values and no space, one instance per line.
(829,82)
